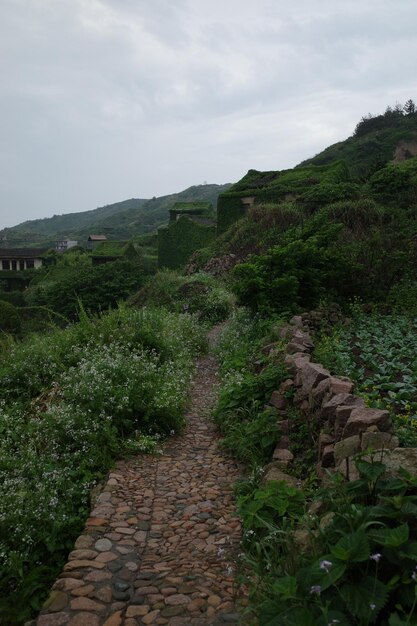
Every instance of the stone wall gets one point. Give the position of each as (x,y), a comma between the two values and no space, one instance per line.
(347,427)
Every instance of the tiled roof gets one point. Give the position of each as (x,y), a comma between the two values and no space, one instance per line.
(21,253)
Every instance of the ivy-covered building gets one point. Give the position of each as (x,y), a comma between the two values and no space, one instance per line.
(192,225)
(107,251)
(312,185)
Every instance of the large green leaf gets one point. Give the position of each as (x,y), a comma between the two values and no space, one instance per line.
(391,537)
(286,587)
(353,547)
(365,598)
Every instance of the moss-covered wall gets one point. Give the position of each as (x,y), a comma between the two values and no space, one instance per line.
(180,239)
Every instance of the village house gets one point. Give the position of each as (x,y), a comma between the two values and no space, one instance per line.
(65,244)
(18,259)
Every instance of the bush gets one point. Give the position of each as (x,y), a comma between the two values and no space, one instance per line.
(353,564)
(9,318)
(199,294)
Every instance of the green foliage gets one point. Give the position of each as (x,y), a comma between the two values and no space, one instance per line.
(121,220)
(9,318)
(294,275)
(178,240)
(372,145)
(311,186)
(396,183)
(357,567)
(99,288)
(67,399)
(378,352)
(199,294)
(250,431)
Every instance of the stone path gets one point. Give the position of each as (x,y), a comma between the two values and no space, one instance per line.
(158,547)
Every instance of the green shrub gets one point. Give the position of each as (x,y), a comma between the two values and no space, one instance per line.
(199,294)
(353,564)
(9,318)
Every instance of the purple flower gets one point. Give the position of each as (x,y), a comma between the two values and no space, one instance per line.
(326,565)
(315,589)
(376,557)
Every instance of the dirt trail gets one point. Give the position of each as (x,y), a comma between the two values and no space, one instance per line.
(158,547)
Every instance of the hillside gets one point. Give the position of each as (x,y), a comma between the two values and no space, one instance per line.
(376,140)
(121,220)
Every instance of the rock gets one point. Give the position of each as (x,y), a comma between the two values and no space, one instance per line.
(294,347)
(283,457)
(273,471)
(312,374)
(286,386)
(346,447)
(177,599)
(278,400)
(284,442)
(348,468)
(400,458)
(285,332)
(114,620)
(343,414)
(328,409)
(300,336)
(327,458)
(150,617)
(379,441)
(56,601)
(297,320)
(324,440)
(103,545)
(85,604)
(84,542)
(295,362)
(214,601)
(71,565)
(361,419)
(85,619)
(56,619)
(137,611)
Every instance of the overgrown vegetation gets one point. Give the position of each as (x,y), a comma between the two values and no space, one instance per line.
(71,401)
(378,353)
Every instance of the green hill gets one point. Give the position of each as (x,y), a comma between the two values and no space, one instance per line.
(376,140)
(121,220)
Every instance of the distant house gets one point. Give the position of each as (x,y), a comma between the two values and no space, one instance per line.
(106,251)
(93,240)
(18,259)
(65,244)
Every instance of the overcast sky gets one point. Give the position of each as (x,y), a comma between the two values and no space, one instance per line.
(104,100)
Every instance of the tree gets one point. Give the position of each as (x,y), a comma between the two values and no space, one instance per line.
(409,107)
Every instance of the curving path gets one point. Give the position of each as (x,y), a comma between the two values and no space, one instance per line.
(158,547)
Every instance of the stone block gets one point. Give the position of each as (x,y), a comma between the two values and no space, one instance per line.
(312,374)
(278,400)
(295,362)
(283,457)
(328,409)
(379,441)
(342,416)
(400,458)
(297,320)
(346,447)
(294,346)
(324,440)
(286,386)
(360,420)
(273,471)
(327,457)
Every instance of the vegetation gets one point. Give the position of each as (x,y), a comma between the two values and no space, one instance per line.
(121,220)
(71,401)
(199,294)
(339,227)
(378,352)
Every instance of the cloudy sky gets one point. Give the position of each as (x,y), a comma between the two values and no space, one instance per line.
(103,100)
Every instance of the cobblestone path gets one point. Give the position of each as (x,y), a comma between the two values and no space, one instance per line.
(158,546)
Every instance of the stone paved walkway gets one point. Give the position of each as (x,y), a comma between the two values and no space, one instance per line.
(158,547)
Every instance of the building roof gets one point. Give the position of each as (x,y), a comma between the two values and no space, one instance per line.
(21,253)
(192,207)
(114,249)
(97,238)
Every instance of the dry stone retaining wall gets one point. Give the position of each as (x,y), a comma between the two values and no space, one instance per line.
(348,427)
